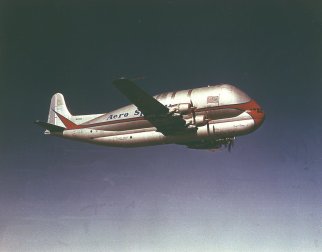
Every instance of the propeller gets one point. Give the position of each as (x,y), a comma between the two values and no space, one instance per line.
(231,144)
(193,112)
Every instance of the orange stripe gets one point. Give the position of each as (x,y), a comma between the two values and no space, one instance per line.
(68,124)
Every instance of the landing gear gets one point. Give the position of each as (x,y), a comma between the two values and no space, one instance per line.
(213,144)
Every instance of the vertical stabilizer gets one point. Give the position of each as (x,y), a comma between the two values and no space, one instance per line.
(58,104)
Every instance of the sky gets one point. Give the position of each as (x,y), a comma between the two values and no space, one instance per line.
(60,195)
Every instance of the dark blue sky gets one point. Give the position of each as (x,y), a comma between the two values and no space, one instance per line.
(58,195)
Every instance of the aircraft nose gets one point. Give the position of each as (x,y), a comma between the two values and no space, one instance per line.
(259,118)
(257,113)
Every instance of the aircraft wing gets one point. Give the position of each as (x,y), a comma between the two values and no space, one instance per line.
(154,111)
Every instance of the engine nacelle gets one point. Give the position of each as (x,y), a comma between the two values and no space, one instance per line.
(183,108)
(200,120)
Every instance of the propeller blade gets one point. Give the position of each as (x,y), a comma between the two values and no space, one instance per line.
(231,144)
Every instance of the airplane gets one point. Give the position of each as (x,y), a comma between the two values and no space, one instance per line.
(201,118)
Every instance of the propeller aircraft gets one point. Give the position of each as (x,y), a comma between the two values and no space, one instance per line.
(202,118)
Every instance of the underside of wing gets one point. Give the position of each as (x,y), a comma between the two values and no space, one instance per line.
(154,111)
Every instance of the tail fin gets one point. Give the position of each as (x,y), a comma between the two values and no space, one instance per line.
(58,105)
(59,118)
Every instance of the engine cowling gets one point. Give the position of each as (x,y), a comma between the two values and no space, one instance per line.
(196,121)
(183,108)
(200,120)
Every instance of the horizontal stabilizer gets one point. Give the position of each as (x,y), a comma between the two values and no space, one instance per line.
(50,127)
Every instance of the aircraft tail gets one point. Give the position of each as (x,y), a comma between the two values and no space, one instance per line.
(59,117)
(58,105)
